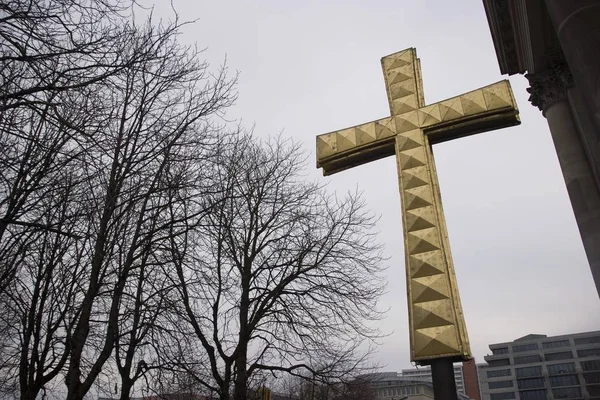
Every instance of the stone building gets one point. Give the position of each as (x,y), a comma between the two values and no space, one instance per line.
(556,45)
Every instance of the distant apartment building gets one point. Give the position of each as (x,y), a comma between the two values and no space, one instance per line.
(538,367)
(424,374)
(398,386)
(465,376)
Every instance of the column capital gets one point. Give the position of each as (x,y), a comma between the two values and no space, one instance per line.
(549,86)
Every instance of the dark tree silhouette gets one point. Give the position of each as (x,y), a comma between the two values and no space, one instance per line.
(105,128)
(279,277)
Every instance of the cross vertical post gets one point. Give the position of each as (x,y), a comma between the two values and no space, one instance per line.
(438,335)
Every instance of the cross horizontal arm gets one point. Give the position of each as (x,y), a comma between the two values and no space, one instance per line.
(488,108)
(347,148)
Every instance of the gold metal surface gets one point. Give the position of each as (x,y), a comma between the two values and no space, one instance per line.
(437,327)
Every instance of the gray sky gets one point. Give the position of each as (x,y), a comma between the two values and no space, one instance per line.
(311,67)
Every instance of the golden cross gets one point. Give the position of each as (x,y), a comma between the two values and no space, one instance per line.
(436,322)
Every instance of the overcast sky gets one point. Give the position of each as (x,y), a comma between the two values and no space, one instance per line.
(311,67)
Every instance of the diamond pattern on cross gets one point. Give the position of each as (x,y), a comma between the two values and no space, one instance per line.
(436,323)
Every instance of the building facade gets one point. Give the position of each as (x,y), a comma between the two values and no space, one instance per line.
(555,44)
(538,367)
(397,386)
(424,374)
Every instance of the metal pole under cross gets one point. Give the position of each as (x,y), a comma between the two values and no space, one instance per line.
(438,335)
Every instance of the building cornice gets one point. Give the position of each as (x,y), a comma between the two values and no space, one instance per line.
(523,35)
(503,35)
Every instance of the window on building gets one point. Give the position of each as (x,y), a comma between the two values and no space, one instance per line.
(525,347)
(593,390)
(528,372)
(502,396)
(556,344)
(539,394)
(563,355)
(587,340)
(500,384)
(567,393)
(564,380)
(591,377)
(531,383)
(528,359)
(588,352)
(499,363)
(593,365)
(563,368)
(498,372)
(501,350)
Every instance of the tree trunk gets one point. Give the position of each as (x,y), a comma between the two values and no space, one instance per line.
(28,394)
(126,386)
(241,379)
(224,394)
(240,368)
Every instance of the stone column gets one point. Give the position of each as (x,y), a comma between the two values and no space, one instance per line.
(549,93)
(577,24)
(585,126)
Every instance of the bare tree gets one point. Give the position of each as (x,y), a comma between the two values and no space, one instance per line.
(169,385)
(34,152)
(105,126)
(152,138)
(49,51)
(302,388)
(136,238)
(52,46)
(280,276)
(38,305)
(359,388)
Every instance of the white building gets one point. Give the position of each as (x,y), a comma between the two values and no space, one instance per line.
(397,386)
(424,374)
